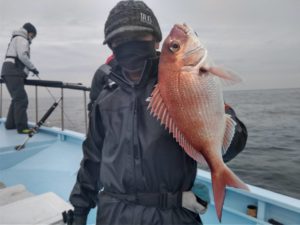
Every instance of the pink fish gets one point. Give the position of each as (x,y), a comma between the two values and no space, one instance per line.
(188,100)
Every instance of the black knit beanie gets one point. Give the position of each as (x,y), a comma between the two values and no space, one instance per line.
(30,28)
(131,17)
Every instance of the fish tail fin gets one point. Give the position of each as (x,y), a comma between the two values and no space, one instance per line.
(220,180)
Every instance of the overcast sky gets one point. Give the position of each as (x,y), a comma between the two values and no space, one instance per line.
(258,39)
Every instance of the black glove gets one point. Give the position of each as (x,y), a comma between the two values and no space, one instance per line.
(74,218)
(35,71)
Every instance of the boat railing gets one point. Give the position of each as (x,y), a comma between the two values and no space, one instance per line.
(52,84)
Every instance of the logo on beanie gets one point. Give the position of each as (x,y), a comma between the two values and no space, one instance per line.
(145,18)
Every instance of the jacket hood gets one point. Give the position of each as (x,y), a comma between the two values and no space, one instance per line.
(21,32)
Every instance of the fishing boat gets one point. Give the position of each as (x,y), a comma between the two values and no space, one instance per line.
(35,182)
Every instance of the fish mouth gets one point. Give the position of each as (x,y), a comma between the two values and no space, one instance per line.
(194,53)
(199,52)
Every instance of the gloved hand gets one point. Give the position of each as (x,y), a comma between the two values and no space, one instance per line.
(35,72)
(71,218)
(189,201)
(202,193)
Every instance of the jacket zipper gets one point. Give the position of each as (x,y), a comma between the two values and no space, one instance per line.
(133,141)
(137,156)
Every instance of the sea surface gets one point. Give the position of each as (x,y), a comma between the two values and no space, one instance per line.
(271,158)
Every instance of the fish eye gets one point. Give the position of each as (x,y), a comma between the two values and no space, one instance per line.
(174,46)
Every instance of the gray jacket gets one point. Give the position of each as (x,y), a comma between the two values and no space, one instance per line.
(17,60)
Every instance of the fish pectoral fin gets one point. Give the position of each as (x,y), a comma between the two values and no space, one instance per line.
(229,133)
(227,77)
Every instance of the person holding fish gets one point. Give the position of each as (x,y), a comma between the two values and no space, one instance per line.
(163,114)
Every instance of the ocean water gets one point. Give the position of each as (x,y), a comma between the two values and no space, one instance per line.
(271,158)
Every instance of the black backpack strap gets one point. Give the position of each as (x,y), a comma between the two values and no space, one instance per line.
(105,68)
(106,71)
(101,81)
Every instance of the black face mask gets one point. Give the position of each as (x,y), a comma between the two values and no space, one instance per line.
(132,55)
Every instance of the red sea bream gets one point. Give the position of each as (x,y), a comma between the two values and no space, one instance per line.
(188,100)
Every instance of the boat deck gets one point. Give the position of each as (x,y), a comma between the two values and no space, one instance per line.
(48,162)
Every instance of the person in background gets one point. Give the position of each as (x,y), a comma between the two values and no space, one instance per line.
(132,168)
(15,70)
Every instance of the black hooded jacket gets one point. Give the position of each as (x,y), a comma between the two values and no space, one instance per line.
(128,151)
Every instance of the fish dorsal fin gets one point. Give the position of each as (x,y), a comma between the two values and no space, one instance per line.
(229,133)
(159,110)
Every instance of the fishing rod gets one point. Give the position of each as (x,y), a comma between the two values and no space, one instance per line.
(48,90)
(35,129)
